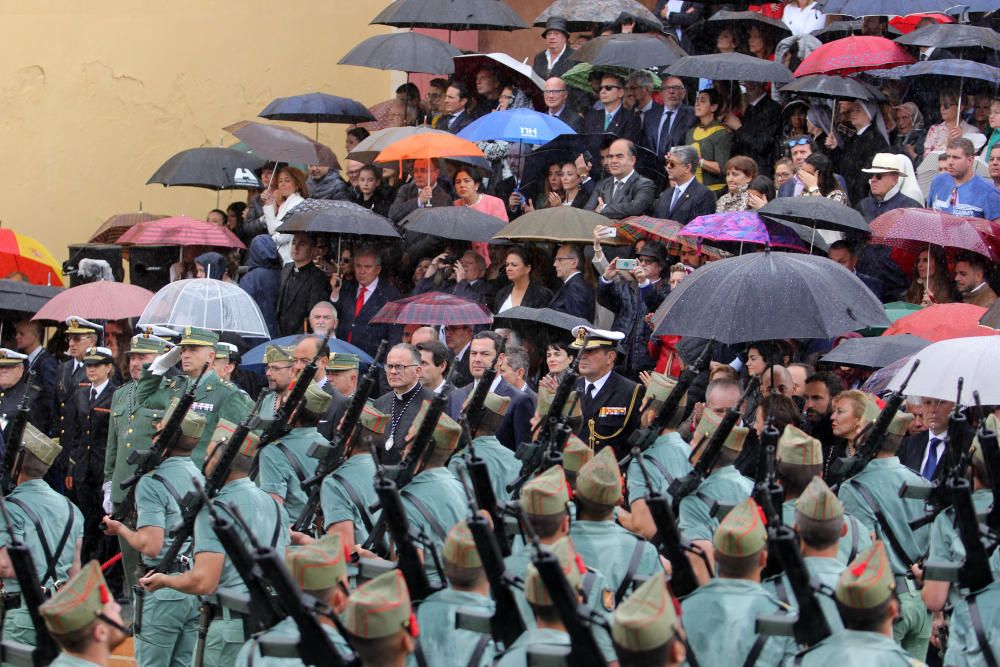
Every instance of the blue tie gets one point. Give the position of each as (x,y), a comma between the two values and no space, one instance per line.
(607,120)
(932,458)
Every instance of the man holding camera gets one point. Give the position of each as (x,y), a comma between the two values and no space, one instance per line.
(464,277)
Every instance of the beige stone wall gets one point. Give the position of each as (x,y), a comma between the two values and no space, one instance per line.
(95,95)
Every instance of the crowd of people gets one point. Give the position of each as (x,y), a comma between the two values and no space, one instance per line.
(660,146)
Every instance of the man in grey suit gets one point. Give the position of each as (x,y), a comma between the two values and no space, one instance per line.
(625,193)
(403,400)
(686,199)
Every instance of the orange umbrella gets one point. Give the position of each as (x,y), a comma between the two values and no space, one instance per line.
(429,146)
(22,257)
(943,321)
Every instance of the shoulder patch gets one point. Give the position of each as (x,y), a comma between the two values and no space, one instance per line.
(608,599)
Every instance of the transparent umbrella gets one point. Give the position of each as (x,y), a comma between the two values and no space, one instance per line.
(206,303)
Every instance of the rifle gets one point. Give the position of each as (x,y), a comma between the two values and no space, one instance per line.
(668,538)
(644,438)
(767,490)
(991,455)
(13,435)
(45,649)
(506,625)
(146,460)
(684,486)
(846,467)
(332,455)
(810,626)
(423,441)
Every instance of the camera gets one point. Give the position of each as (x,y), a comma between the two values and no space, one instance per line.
(448,260)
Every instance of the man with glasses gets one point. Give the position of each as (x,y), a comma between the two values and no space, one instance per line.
(640,86)
(686,198)
(575,296)
(885,181)
(959,190)
(669,125)
(423,191)
(435,98)
(403,400)
(614,118)
(556,95)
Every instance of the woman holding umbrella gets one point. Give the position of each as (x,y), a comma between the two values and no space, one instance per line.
(289,191)
(950,126)
(931,283)
(712,140)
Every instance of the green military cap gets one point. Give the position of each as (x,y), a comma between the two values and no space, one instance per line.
(797,448)
(379,608)
(373,419)
(78,325)
(660,386)
(545,494)
(78,603)
(95,356)
(342,361)
(647,618)
(447,432)
(316,400)
(276,354)
(39,444)
(819,502)
(545,396)
(868,581)
(598,338)
(224,350)
(224,430)
(710,422)
(900,423)
(165,333)
(318,565)
(600,480)
(199,336)
(192,426)
(148,344)
(572,566)
(496,403)
(9,357)
(575,454)
(871,412)
(976,450)
(460,548)
(742,532)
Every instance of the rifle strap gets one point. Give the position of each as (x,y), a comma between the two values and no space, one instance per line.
(172,490)
(293,461)
(587,585)
(977,626)
(476,658)
(633,565)
(418,655)
(755,650)
(355,497)
(659,466)
(429,517)
(883,523)
(277,523)
(855,532)
(51,562)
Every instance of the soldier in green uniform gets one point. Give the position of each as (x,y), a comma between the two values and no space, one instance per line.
(131,426)
(866,598)
(214,398)
(165,637)
(873,497)
(576,453)
(212,567)
(646,629)
(285,463)
(279,367)
(348,492)
(621,556)
(380,623)
(342,372)
(225,356)
(84,620)
(48,523)
(665,460)
(968,639)
(503,466)
(720,616)
(440,642)
(320,570)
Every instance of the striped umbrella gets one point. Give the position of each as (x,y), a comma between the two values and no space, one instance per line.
(25,258)
(180,230)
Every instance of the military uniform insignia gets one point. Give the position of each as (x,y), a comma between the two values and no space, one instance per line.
(613,412)
(187,331)
(608,599)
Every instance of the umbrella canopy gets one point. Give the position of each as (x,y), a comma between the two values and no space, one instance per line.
(878,382)
(943,321)
(317,108)
(859,8)
(20,254)
(325,216)
(509,72)
(253,360)
(768,296)
(180,230)
(562,224)
(206,303)
(578,76)
(650,229)
(547,316)
(429,147)
(729,19)
(907,24)
(433,308)
(516,125)
(953,68)
(952,37)
(118,224)
(730,67)
(101,300)
(632,50)
(379,140)
(851,55)
(459,223)
(836,30)
(835,87)
(914,229)
(450,15)
(991,318)
(22,297)
(874,352)
(814,213)
(581,15)
(403,51)
(211,168)
(974,360)
(281,144)
(742,227)
(893,310)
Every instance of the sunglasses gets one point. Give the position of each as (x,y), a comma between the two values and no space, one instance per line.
(607,88)
(801,141)
(877,177)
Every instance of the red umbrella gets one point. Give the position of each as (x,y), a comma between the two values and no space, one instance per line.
(851,55)
(650,229)
(914,229)
(907,24)
(180,230)
(433,308)
(102,300)
(943,321)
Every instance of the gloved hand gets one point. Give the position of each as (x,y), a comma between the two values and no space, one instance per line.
(165,361)
(106,503)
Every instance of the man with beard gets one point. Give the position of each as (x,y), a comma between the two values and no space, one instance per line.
(819,393)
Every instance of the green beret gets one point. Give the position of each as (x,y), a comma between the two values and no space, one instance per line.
(710,422)
(77,604)
(797,448)
(276,354)
(900,423)
(545,494)
(545,397)
(576,454)
(39,444)
(460,548)
(342,361)
(742,532)
(379,608)
(199,336)
(316,400)
(572,566)
(193,424)
(600,480)
(318,565)
(646,619)
(496,403)
(819,502)
(871,412)
(868,580)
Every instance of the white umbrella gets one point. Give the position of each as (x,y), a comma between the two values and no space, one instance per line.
(206,303)
(975,360)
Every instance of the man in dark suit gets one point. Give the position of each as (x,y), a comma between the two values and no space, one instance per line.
(757,132)
(357,306)
(456,108)
(403,400)
(916,452)
(303,285)
(464,277)
(575,296)
(686,199)
(843,253)
(458,339)
(15,383)
(28,337)
(609,401)
(417,193)
(640,86)
(669,126)
(555,59)
(556,96)
(677,17)
(614,118)
(625,193)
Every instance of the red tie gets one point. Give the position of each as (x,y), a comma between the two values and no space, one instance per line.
(359,303)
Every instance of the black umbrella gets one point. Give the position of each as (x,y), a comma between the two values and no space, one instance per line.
(814,212)
(634,51)
(837,30)
(324,216)
(730,19)
(825,85)
(211,168)
(952,36)
(581,15)
(876,352)
(450,15)
(730,67)
(859,8)
(952,68)
(768,296)
(552,318)
(317,108)
(460,223)
(24,297)
(403,51)
(281,144)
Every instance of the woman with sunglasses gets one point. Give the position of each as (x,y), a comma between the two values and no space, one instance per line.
(950,127)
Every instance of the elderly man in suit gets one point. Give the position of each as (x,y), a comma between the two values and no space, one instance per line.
(686,198)
(575,296)
(614,118)
(303,285)
(360,301)
(624,193)
(403,400)
(922,453)
(668,126)
(556,97)
(555,59)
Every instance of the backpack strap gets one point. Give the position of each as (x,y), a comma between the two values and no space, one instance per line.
(977,626)
(51,560)
(883,522)
(633,565)
(293,461)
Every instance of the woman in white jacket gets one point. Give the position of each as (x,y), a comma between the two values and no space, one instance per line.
(288,190)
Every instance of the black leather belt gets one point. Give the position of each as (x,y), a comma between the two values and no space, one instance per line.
(224,613)
(11,601)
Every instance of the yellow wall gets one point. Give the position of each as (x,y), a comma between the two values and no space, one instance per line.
(95,95)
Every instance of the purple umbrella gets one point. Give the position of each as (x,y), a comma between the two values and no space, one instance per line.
(743,227)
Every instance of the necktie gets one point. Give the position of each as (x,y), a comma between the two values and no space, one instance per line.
(674,199)
(93,394)
(359,303)
(664,131)
(607,120)
(932,458)
(452,121)
(615,189)
(590,392)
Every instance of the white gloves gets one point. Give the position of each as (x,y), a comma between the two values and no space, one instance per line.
(165,361)
(106,503)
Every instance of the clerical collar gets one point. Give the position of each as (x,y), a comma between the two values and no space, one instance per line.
(408,394)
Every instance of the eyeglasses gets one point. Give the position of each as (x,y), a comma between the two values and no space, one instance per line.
(801,141)
(274,368)
(555,92)
(564,259)
(674,89)
(607,88)
(877,177)
(398,368)
(671,164)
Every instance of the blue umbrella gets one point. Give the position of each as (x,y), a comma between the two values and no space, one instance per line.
(521,125)
(253,360)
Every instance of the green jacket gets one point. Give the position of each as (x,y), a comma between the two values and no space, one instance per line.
(853,647)
(856,540)
(667,453)
(285,464)
(131,427)
(726,486)
(501,463)
(517,654)
(614,551)
(250,653)
(963,645)
(335,498)
(441,643)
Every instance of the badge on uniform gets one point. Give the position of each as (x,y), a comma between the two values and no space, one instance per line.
(202,407)
(613,412)
(608,599)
